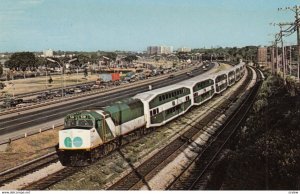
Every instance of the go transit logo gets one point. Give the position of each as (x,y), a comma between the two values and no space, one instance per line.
(77,142)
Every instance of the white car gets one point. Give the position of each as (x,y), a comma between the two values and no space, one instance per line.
(77,90)
(23,104)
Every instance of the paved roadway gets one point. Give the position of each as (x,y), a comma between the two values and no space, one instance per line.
(38,117)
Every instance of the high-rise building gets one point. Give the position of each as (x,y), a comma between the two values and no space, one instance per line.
(262,56)
(48,53)
(184,49)
(157,50)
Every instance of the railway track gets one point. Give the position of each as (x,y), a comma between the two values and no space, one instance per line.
(139,176)
(193,176)
(53,178)
(30,167)
(136,178)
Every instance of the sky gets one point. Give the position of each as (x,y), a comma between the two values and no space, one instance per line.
(132,25)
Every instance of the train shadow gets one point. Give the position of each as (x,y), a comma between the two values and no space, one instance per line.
(134,169)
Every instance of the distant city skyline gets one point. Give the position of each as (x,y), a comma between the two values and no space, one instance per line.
(133,25)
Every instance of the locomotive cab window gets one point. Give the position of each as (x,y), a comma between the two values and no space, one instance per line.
(80,123)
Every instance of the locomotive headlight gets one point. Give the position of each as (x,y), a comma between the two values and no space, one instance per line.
(68,142)
(77,142)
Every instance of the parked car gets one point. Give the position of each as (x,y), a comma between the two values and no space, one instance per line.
(57,94)
(77,90)
(23,104)
(29,100)
(171,76)
(97,86)
(88,88)
(15,102)
(191,74)
(70,91)
(45,96)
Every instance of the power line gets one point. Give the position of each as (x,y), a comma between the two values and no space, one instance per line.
(294,28)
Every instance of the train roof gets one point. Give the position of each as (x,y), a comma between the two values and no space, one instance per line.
(149,95)
(152,93)
(191,82)
(226,71)
(122,105)
(92,113)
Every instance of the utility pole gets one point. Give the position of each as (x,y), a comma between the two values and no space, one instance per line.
(282,54)
(274,56)
(282,48)
(290,64)
(272,66)
(272,59)
(279,37)
(296,10)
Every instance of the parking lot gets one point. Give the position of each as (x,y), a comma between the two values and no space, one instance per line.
(21,86)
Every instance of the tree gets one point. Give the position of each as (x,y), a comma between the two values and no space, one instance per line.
(40,62)
(266,150)
(111,55)
(182,55)
(85,72)
(130,58)
(82,59)
(1,69)
(50,80)
(22,61)
(234,53)
(2,85)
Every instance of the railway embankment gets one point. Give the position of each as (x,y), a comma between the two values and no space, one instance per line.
(265,153)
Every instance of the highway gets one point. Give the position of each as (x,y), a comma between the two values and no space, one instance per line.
(36,117)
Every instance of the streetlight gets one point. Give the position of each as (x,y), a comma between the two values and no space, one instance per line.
(13,89)
(54,61)
(72,60)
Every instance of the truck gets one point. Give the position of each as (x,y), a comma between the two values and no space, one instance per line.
(109,77)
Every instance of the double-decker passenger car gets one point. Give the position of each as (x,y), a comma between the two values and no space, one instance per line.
(164,104)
